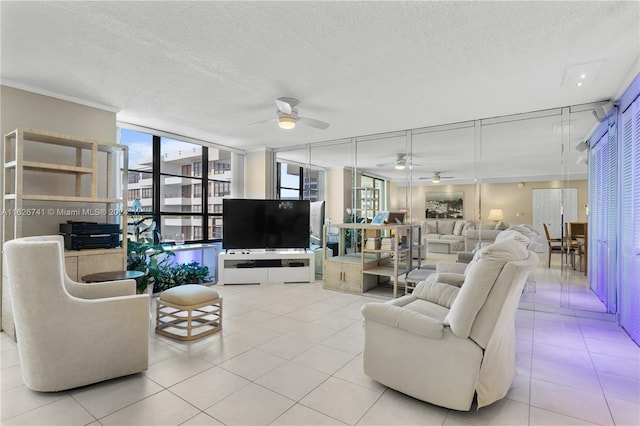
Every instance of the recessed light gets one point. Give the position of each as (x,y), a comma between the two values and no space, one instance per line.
(576,75)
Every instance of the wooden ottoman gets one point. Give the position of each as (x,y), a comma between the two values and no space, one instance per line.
(188,312)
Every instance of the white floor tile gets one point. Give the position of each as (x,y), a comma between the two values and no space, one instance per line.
(394,408)
(252,364)
(65,411)
(354,372)
(504,412)
(341,400)
(202,419)
(11,377)
(108,397)
(176,369)
(324,358)
(205,389)
(252,405)
(569,401)
(299,415)
(565,374)
(292,380)
(540,417)
(163,408)
(624,412)
(20,400)
(286,346)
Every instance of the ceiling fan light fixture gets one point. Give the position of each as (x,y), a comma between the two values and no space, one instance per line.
(286,122)
(435,179)
(400,166)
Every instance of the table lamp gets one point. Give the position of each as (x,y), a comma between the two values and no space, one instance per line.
(495,215)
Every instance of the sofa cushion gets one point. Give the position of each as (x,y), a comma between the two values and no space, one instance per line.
(431,227)
(432,236)
(436,292)
(457,228)
(481,274)
(487,226)
(448,237)
(445,227)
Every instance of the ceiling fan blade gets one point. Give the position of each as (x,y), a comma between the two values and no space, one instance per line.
(272,120)
(283,106)
(313,123)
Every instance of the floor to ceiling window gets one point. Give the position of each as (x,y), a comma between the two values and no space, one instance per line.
(176,186)
(295,182)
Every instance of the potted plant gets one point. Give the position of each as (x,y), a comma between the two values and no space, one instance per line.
(149,258)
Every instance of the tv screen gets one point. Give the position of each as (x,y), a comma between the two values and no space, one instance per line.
(265,224)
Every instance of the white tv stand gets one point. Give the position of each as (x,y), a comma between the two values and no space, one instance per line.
(264,266)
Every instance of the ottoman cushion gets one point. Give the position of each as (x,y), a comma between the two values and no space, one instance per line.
(189,294)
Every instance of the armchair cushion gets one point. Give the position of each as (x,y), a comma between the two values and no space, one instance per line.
(436,292)
(448,278)
(481,276)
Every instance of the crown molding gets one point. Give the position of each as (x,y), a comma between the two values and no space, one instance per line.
(55,95)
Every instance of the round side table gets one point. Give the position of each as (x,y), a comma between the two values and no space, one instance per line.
(112,276)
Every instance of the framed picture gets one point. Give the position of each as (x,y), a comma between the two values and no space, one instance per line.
(444,205)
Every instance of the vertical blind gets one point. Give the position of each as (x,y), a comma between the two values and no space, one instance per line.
(630,213)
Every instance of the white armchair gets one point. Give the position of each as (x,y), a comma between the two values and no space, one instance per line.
(444,343)
(71,334)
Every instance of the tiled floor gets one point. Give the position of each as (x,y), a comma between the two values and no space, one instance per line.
(291,355)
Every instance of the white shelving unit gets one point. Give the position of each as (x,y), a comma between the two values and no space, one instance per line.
(264,266)
(91,178)
(359,272)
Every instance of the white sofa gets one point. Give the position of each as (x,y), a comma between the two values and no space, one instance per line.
(450,230)
(443,343)
(71,334)
(481,233)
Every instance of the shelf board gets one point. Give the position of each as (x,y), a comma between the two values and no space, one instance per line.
(66,140)
(56,168)
(386,271)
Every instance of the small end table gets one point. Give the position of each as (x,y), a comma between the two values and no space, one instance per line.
(112,276)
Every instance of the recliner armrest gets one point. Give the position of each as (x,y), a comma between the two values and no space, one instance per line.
(406,319)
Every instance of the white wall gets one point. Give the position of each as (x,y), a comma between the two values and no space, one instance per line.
(20,108)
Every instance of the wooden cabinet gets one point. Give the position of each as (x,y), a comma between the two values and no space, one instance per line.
(345,273)
(51,178)
(384,251)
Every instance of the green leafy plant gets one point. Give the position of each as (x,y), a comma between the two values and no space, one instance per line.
(151,259)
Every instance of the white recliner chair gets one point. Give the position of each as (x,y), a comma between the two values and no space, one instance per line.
(443,343)
(71,334)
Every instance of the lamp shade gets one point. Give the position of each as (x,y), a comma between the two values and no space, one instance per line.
(495,215)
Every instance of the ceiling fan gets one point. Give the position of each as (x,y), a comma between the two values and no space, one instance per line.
(437,176)
(287,116)
(400,163)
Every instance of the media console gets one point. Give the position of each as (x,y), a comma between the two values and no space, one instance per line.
(264,266)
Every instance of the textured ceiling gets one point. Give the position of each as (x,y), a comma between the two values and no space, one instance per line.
(209,69)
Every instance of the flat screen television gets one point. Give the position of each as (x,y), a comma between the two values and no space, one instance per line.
(265,224)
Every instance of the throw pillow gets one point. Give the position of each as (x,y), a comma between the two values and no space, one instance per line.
(457,229)
(501,226)
(432,227)
(445,227)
